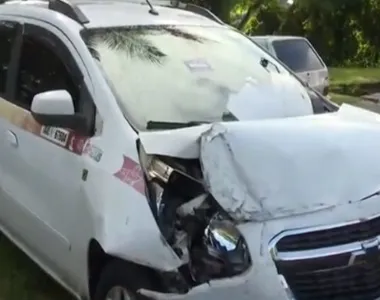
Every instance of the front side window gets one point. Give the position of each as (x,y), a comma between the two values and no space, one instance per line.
(297,54)
(41,70)
(7,36)
(176,73)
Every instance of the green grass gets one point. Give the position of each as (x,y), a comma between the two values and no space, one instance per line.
(21,279)
(340,98)
(353,75)
(347,84)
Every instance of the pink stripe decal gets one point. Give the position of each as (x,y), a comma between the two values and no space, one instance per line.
(131,174)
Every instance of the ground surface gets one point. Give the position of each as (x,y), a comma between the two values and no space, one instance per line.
(352,79)
(369,105)
(353,75)
(21,279)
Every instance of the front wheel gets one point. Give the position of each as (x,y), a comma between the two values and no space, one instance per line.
(120,280)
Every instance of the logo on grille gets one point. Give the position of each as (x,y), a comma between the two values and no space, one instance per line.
(369,251)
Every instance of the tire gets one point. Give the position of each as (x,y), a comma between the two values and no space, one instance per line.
(120,274)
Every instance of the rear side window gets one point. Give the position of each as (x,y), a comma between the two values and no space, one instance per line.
(7,36)
(298,55)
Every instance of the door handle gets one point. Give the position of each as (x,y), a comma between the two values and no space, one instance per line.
(11,138)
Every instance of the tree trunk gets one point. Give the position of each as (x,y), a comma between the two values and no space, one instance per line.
(221,9)
(251,9)
(246,17)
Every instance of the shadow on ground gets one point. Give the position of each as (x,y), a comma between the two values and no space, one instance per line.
(21,279)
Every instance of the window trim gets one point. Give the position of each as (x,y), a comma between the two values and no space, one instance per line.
(51,41)
(16,29)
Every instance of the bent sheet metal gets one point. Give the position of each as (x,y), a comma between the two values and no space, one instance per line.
(266,169)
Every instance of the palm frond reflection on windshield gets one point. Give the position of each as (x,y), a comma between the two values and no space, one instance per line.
(174,31)
(131,42)
(134,41)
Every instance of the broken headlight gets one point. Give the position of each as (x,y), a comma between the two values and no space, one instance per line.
(192,222)
(222,253)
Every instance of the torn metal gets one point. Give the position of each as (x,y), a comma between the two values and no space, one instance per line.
(205,182)
(265,169)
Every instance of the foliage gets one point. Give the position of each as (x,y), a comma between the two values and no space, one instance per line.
(344,32)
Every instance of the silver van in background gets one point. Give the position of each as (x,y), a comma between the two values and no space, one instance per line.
(300,56)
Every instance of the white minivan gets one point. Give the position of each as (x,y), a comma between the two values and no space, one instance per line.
(300,56)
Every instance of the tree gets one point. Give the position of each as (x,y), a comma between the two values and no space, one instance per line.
(221,8)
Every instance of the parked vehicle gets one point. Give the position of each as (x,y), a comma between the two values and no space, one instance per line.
(137,158)
(300,56)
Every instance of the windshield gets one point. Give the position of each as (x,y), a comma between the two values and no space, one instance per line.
(297,54)
(176,73)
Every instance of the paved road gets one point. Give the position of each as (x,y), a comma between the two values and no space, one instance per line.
(369,105)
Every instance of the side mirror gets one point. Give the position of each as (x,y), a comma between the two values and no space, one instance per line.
(56,108)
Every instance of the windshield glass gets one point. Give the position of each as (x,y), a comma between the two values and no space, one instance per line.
(176,73)
(297,54)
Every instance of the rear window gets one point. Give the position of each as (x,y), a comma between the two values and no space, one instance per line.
(298,55)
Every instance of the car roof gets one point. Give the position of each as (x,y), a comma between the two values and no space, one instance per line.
(271,38)
(113,13)
(121,13)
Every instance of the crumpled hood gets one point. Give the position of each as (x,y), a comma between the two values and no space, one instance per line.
(260,170)
(279,97)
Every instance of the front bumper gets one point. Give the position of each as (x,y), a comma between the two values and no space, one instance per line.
(264,281)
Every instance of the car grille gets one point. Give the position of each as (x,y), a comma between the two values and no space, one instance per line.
(352,273)
(360,231)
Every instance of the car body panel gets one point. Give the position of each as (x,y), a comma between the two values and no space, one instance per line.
(80,211)
(127,14)
(34,178)
(259,237)
(299,149)
(333,208)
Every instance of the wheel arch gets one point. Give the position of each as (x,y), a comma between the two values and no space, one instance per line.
(97,259)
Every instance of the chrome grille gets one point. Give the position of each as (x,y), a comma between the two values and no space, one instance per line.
(328,268)
(357,231)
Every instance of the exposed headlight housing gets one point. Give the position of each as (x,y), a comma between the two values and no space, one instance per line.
(224,252)
(192,222)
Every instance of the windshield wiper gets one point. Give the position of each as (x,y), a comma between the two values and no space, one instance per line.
(152,125)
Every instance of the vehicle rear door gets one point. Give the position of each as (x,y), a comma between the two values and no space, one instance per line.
(300,56)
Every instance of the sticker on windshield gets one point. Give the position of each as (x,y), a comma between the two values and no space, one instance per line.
(198,65)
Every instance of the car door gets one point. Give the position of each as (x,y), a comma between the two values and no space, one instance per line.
(42,164)
(9,41)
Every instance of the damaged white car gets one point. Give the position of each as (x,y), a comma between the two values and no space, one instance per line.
(149,152)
